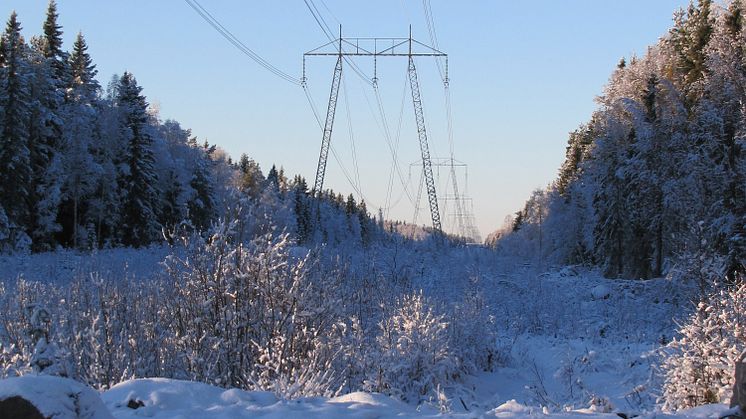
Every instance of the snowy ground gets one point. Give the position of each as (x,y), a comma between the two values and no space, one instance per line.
(172,399)
(64,265)
(178,399)
(572,344)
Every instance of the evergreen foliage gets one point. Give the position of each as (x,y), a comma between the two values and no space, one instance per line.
(698,366)
(663,153)
(86,169)
(138,178)
(15,150)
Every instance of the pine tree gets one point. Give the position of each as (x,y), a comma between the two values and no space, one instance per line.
(140,212)
(15,156)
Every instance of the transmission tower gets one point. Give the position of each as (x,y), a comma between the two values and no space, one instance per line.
(463,214)
(379,47)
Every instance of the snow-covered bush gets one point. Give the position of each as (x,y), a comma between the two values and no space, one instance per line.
(415,356)
(251,316)
(48,358)
(698,366)
(473,333)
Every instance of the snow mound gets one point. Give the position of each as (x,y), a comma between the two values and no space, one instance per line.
(165,398)
(600,292)
(361,401)
(55,397)
(513,409)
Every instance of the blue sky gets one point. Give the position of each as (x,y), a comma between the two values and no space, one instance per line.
(523,75)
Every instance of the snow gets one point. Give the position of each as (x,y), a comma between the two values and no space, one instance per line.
(172,399)
(560,345)
(600,292)
(56,397)
(167,399)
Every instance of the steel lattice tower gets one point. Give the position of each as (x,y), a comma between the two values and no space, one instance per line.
(345,47)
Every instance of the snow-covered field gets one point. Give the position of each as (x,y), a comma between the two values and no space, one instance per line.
(173,399)
(570,344)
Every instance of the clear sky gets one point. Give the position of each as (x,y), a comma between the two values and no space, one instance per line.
(523,74)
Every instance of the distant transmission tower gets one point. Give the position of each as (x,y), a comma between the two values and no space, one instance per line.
(463,212)
(369,47)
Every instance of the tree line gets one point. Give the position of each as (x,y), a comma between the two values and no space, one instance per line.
(84,166)
(655,182)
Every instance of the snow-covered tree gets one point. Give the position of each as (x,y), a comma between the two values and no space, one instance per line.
(15,154)
(698,365)
(138,181)
(415,356)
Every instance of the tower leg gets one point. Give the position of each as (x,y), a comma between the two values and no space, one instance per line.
(427,166)
(318,185)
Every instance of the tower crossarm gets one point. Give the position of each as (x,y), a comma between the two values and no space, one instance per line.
(379,47)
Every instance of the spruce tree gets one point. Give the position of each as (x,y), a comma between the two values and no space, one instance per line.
(273,179)
(734,19)
(53,42)
(172,212)
(82,152)
(140,213)
(15,156)
(45,144)
(202,205)
(83,71)
(302,208)
(366,227)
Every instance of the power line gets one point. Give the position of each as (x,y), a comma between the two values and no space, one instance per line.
(433,35)
(228,35)
(233,40)
(319,18)
(351,133)
(393,147)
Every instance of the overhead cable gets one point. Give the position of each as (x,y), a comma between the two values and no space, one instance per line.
(228,35)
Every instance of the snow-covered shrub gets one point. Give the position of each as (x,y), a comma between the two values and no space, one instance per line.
(29,335)
(698,366)
(94,330)
(17,343)
(251,316)
(472,333)
(116,330)
(415,356)
(47,358)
